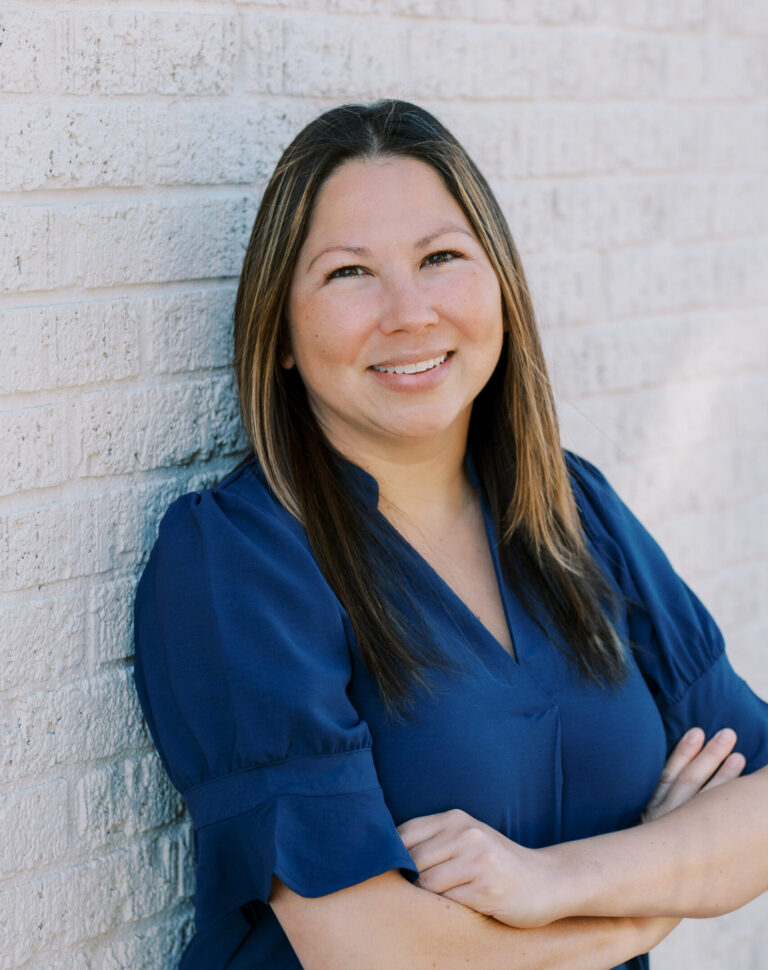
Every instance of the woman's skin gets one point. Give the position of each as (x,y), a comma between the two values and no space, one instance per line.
(390,276)
(386,923)
(682,863)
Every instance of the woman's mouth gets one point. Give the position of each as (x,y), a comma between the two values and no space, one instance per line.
(415,368)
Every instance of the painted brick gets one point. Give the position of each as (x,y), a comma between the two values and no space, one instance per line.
(432,9)
(39,915)
(597,215)
(662,15)
(58,541)
(740,273)
(31,254)
(737,597)
(146,947)
(565,140)
(127,797)
(693,479)
(70,959)
(198,420)
(264,53)
(606,65)
(517,68)
(749,17)
(208,144)
(56,147)
(110,621)
(137,53)
(501,10)
(661,278)
(529,208)
(28,41)
(717,67)
(34,825)
(735,137)
(192,330)
(42,640)
(205,144)
(135,242)
(68,344)
(71,724)
(34,455)
(46,543)
(659,419)
(321,59)
(567,288)
(566,11)
(664,349)
(26,338)
(95,342)
(495,133)
(662,138)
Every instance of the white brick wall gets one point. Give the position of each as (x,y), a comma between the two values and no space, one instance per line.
(628,142)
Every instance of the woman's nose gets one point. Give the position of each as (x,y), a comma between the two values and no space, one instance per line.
(406,307)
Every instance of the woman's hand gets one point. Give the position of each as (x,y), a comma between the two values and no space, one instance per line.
(473,864)
(693,767)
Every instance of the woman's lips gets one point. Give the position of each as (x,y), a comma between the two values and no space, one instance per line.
(415,379)
(415,367)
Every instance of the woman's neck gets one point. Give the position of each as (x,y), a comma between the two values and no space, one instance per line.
(424,482)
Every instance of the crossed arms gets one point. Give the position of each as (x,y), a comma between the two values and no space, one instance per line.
(483,900)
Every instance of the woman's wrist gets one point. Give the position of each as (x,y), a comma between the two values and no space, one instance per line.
(574,879)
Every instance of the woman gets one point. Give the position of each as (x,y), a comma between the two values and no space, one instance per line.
(410,637)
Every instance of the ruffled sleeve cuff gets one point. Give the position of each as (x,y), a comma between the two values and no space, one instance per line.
(318,823)
(719,698)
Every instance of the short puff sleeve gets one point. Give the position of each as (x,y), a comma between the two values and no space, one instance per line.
(241,666)
(676,642)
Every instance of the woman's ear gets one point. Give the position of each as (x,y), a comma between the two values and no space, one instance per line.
(287,360)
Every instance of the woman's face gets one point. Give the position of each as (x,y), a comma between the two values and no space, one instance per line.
(395,314)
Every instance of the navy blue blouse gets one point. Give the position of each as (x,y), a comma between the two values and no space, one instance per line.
(270,725)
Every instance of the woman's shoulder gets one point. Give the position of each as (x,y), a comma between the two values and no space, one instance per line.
(228,535)
(242,500)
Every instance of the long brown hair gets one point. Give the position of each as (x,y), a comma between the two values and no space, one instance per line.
(513,437)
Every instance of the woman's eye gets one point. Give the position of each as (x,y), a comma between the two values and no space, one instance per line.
(444,256)
(345,272)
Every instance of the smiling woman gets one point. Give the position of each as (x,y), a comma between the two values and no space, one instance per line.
(416,669)
(392,350)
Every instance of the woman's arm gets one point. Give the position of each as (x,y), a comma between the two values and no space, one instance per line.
(706,858)
(386,923)
(697,856)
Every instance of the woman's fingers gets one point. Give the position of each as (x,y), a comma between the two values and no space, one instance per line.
(685,751)
(425,827)
(692,768)
(731,768)
(697,772)
(445,876)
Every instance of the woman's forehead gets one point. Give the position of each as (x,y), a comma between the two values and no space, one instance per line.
(373,197)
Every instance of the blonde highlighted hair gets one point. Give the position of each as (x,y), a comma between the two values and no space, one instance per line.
(514,436)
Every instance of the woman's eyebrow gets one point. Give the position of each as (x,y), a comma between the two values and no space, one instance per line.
(443,231)
(356,250)
(419,244)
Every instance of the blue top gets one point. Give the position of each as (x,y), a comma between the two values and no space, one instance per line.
(270,725)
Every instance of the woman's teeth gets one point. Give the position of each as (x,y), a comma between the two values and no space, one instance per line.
(413,368)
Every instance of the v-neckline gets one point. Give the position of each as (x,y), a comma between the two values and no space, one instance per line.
(492,541)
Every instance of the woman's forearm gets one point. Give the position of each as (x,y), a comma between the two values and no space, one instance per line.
(705,858)
(388,924)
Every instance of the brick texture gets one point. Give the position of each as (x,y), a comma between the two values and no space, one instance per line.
(628,144)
